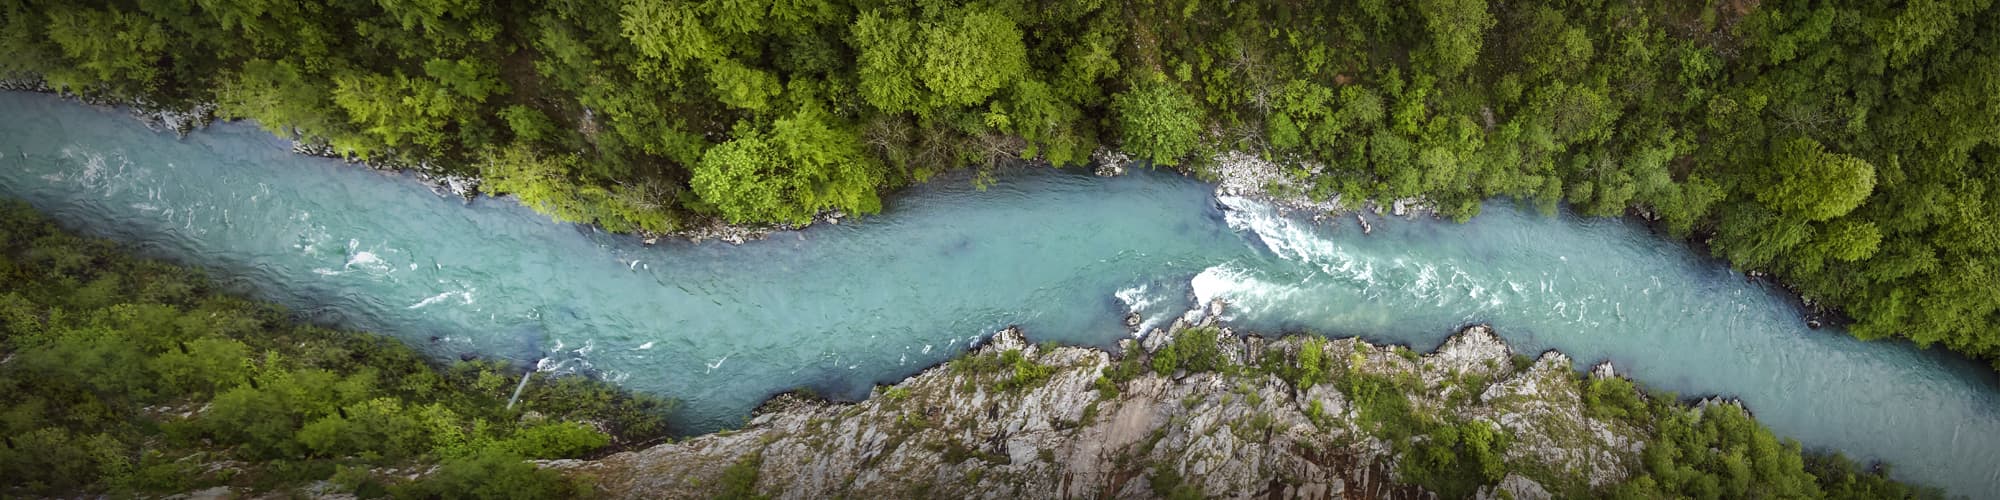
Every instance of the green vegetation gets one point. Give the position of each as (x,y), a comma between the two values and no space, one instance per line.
(1018,371)
(1167,483)
(1692,451)
(1026,372)
(1445,455)
(1717,451)
(739,481)
(1849,147)
(130,377)
(1193,349)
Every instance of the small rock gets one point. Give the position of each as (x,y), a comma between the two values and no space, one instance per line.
(1110,162)
(1109,170)
(1008,339)
(1515,487)
(1603,370)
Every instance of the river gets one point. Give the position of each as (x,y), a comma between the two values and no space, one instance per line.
(839,308)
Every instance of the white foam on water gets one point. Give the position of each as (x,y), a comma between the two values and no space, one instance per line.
(1295,240)
(465,297)
(1135,298)
(366,260)
(642,347)
(1243,292)
(93,165)
(1138,300)
(432,300)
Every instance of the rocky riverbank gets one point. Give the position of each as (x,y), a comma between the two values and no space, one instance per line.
(1245,175)
(1017,420)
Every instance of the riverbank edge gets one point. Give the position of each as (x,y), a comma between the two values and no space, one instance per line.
(1233,172)
(189,118)
(1015,419)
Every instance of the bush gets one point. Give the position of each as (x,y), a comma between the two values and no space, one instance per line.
(1613,398)
(739,481)
(493,473)
(1193,349)
(1157,121)
(1455,459)
(1026,373)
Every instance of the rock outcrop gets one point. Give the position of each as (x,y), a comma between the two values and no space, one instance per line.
(990,426)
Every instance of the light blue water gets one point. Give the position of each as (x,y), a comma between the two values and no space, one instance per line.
(838,308)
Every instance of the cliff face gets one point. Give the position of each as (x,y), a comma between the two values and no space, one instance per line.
(1242,430)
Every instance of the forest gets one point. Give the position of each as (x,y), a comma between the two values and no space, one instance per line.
(131,377)
(1847,147)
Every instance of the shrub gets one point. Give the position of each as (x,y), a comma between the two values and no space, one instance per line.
(1194,350)
(739,481)
(1613,398)
(492,473)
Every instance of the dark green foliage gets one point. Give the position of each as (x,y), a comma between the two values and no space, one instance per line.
(1167,483)
(1455,459)
(1842,478)
(1716,451)
(1383,404)
(129,377)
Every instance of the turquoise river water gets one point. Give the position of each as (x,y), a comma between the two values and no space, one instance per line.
(839,308)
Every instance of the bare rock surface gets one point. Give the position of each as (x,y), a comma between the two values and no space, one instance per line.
(975,428)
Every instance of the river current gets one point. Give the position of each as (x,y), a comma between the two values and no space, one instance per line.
(839,308)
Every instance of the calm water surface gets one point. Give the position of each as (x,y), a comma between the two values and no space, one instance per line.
(840,308)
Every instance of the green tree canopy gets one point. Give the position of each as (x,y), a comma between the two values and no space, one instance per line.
(1157,121)
(954,59)
(1811,183)
(798,167)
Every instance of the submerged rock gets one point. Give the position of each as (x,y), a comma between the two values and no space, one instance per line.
(960,430)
